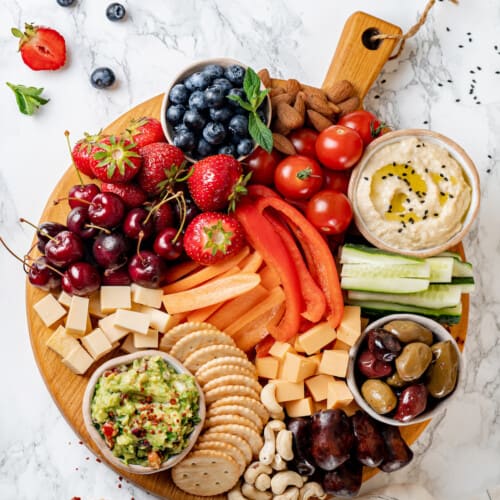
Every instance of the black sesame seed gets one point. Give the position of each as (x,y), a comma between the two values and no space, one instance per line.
(418,145)
(449,81)
(376,96)
(440,84)
(412,171)
(406,166)
(384,177)
(497,72)
(425,122)
(470,40)
(393,163)
(488,170)
(473,81)
(422,202)
(390,175)
(446,179)
(457,100)
(400,230)
(460,46)
(411,190)
(447,29)
(443,166)
(408,200)
(426,170)
(442,194)
(424,217)
(441,175)
(426,212)
(478,102)
(451,196)
(472,72)
(490,157)
(401,215)
(404,174)
(365,178)
(496,47)
(479,68)
(411,220)
(410,209)
(436,215)
(383,81)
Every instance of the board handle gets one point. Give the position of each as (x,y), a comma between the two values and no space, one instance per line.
(357,58)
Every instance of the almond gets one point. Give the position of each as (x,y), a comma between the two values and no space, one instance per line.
(318,121)
(349,105)
(276,91)
(292,86)
(334,108)
(288,116)
(300,103)
(279,128)
(319,104)
(265,78)
(281,98)
(340,91)
(308,90)
(283,144)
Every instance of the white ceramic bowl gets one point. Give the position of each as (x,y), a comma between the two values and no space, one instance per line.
(440,333)
(97,438)
(458,154)
(197,66)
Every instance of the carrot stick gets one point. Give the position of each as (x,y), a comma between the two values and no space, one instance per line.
(251,263)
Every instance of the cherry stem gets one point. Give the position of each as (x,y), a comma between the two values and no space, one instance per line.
(139,241)
(58,200)
(23,261)
(181,201)
(54,270)
(66,133)
(168,197)
(42,232)
(103,229)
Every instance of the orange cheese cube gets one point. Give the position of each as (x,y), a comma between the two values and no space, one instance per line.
(318,386)
(288,391)
(349,329)
(296,344)
(317,337)
(319,406)
(280,349)
(334,362)
(296,368)
(267,367)
(316,359)
(339,395)
(341,346)
(300,408)
(49,310)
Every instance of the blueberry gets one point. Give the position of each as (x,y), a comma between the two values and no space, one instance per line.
(238,125)
(214,71)
(235,74)
(179,94)
(214,96)
(204,148)
(244,147)
(238,92)
(65,3)
(115,11)
(214,133)
(184,139)
(102,78)
(188,83)
(227,149)
(220,114)
(175,113)
(197,100)
(199,80)
(194,120)
(224,83)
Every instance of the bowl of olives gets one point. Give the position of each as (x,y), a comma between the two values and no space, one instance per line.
(404,369)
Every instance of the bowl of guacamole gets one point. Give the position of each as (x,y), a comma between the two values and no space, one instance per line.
(144,411)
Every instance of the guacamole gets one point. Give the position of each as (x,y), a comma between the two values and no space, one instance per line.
(145,411)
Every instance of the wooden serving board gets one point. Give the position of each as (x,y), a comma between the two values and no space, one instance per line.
(352,61)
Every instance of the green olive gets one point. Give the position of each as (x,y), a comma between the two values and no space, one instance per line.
(395,380)
(409,331)
(413,361)
(443,372)
(379,396)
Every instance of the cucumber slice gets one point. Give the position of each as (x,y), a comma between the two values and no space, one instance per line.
(385,285)
(436,297)
(422,270)
(375,309)
(455,255)
(462,269)
(362,254)
(466,284)
(441,269)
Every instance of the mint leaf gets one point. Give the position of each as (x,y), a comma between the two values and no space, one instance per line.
(259,132)
(251,85)
(17,33)
(28,99)
(241,102)
(261,97)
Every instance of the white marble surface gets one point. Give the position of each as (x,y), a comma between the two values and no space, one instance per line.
(458,457)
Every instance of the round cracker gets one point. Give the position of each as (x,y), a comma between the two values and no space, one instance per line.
(234,452)
(206,473)
(201,356)
(221,370)
(197,340)
(253,438)
(233,379)
(242,411)
(233,439)
(230,419)
(230,390)
(177,332)
(227,361)
(251,403)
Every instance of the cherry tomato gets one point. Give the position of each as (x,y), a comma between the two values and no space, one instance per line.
(329,211)
(339,147)
(298,177)
(262,165)
(304,140)
(366,124)
(336,180)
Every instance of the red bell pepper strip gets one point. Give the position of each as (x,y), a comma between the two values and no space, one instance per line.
(263,347)
(320,256)
(312,294)
(257,190)
(262,236)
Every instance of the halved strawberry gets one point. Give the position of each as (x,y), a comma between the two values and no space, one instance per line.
(116,160)
(83,153)
(131,194)
(144,131)
(41,48)
(212,236)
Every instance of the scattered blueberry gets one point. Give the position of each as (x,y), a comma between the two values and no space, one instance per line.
(244,147)
(214,71)
(179,94)
(115,11)
(220,114)
(102,78)
(65,3)
(214,96)
(194,120)
(199,80)
(184,139)
(238,92)
(175,113)
(224,83)
(204,148)
(235,74)
(214,133)
(197,100)
(228,149)
(238,125)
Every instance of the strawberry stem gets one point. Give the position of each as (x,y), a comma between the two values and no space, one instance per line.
(66,133)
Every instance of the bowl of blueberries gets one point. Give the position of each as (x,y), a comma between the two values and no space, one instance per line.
(198,117)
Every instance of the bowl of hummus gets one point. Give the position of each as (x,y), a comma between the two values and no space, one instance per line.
(144,411)
(414,192)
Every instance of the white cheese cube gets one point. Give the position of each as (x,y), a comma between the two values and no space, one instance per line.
(147,296)
(160,320)
(64,299)
(78,360)
(128,344)
(62,343)
(49,310)
(95,305)
(78,321)
(133,321)
(149,341)
(96,343)
(115,297)
(112,332)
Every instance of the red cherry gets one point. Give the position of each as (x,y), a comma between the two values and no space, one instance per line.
(135,224)
(64,249)
(78,221)
(110,250)
(81,278)
(115,277)
(83,192)
(106,210)
(163,217)
(42,276)
(147,269)
(164,245)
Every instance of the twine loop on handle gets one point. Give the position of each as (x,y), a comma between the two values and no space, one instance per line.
(411,32)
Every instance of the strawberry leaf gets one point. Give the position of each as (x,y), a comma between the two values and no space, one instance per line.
(28,99)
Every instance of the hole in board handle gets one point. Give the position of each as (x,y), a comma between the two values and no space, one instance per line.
(366,39)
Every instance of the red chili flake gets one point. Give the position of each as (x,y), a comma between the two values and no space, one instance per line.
(120,478)
(80,442)
(98,460)
(87,458)
(78,498)
(173,401)
(119,486)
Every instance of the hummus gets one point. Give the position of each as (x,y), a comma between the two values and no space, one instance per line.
(412,194)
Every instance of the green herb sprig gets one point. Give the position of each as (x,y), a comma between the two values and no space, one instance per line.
(28,99)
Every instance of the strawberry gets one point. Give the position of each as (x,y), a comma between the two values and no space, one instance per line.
(115,160)
(212,236)
(83,153)
(162,163)
(144,131)
(41,48)
(131,194)
(215,182)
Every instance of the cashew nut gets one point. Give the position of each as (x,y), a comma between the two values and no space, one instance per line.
(254,470)
(291,493)
(276,425)
(312,490)
(281,480)
(266,453)
(263,482)
(268,398)
(235,493)
(284,444)
(278,462)
(249,491)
